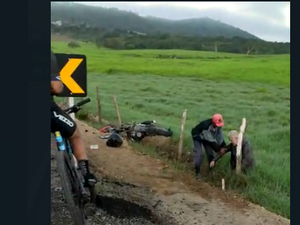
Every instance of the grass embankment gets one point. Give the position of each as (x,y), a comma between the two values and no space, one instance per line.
(255,87)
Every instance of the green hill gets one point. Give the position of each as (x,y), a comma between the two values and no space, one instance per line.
(118,19)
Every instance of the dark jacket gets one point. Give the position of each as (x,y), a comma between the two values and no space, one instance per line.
(247,155)
(204,132)
(54,71)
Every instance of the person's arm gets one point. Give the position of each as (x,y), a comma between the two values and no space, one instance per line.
(56,87)
(223,144)
(219,155)
(56,84)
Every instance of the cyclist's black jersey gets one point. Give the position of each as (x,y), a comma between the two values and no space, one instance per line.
(54,70)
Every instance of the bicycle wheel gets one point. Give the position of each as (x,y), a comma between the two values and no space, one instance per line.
(70,187)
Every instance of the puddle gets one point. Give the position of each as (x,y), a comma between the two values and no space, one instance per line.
(123,209)
(135,208)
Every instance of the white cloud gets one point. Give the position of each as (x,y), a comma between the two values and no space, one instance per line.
(287,14)
(198,5)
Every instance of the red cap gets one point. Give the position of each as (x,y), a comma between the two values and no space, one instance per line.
(218,120)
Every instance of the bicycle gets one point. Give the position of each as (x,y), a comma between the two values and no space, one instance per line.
(76,195)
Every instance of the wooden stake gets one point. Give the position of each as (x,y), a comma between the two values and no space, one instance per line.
(117,110)
(71,103)
(65,102)
(98,106)
(183,120)
(223,184)
(239,146)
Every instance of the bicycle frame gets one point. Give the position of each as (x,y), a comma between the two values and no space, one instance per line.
(65,146)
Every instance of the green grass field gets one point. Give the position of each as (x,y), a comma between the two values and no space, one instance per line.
(255,87)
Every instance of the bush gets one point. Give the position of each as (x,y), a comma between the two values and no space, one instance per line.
(73,44)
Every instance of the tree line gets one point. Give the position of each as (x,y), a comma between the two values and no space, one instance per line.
(119,39)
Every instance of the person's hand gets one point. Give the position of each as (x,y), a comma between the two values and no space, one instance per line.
(212,164)
(222,151)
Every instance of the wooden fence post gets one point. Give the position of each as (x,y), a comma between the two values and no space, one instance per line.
(65,102)
(223,184)
(117,110)
(239,146)
(71,103)
(180,144)
(98,106)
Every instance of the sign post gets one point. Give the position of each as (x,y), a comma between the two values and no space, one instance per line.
(73,74)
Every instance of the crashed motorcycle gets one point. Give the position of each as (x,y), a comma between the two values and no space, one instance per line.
(137,131)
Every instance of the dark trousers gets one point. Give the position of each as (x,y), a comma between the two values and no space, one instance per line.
(198,143)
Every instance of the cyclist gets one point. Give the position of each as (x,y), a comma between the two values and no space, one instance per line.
(62,122)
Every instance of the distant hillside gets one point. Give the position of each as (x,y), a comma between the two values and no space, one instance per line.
(117,19)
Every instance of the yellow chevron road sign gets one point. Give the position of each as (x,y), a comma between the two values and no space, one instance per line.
(73,73)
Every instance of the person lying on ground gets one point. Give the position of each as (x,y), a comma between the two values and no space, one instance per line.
(247,153)
(208,134)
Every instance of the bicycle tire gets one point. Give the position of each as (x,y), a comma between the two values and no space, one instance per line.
(64,172)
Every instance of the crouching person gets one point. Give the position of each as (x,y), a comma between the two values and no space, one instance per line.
(247,162)
(208,134)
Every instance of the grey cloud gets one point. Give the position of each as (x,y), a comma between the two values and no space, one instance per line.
(274,10)
(251,17)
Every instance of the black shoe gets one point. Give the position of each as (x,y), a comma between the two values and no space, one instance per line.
(89,180)
(197,170)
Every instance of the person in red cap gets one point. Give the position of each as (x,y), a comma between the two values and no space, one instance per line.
(208,134)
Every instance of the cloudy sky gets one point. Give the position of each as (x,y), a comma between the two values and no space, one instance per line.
(267,20)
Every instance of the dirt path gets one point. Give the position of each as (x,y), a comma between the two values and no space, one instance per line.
(177,198)
(118,203)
